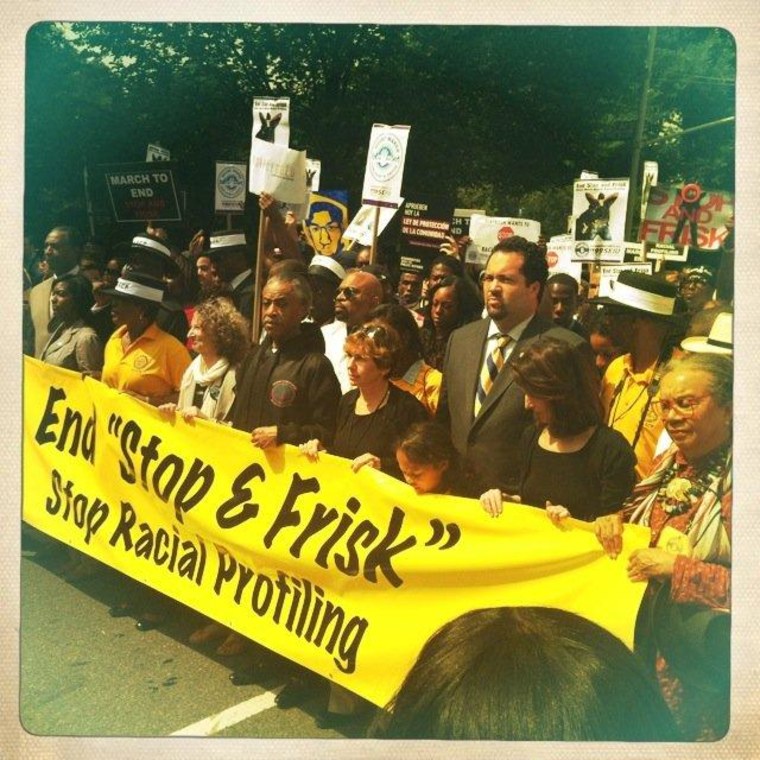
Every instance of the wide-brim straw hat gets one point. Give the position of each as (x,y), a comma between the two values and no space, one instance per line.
(719,341)
(642,293)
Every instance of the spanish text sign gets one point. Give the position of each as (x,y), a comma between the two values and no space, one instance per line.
(347,574)
(141,191)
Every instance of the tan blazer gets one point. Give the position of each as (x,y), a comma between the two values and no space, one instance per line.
(39,307)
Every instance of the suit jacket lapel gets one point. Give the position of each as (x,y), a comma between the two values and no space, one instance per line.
(471,363)
(506,377)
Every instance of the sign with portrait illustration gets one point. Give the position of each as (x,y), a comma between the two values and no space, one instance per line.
(325,220)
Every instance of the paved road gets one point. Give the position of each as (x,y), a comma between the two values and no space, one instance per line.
(84,673)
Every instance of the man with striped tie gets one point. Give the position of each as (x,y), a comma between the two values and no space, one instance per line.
(480,402)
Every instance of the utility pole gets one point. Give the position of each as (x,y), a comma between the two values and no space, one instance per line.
(634,189)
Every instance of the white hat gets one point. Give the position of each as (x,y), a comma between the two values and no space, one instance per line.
(719,341)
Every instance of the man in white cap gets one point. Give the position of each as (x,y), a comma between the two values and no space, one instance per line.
(325,275)
(642,314)
(230,254)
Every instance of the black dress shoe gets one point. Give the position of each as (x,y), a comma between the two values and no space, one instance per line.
(245,676)
(147,624)
(295,692)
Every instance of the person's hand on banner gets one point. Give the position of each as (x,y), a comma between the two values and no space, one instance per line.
(192,413)
(168,410)
(365,460)
(311,449)
(264,437)
(556,513)
(609,530)
(493,501)
(644,564)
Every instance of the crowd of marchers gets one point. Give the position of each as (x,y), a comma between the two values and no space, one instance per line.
(498,383)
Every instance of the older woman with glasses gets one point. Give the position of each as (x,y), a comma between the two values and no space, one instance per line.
(684,622)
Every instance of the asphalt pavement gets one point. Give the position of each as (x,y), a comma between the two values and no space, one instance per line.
(85,673)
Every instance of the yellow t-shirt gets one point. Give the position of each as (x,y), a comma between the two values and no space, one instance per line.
(424,383)
(151,366)
(624,396)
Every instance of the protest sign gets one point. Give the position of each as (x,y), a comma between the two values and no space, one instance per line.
(425,223)
(345,573)
(559,258)
(325,220)
(411,264)
(277,170)
(606,251)
(230,187)
(460,220)
(608,273)
(360,227)
(648,181)
(313,174)
(271,120)
(599,208)
(486,231)
(141,191)
(666,252)
(589,174)
(687,215)
(157,153)
(385,165)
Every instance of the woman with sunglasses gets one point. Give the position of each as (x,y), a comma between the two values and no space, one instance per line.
(683,625)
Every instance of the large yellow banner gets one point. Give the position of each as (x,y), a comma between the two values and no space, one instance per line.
(347,574)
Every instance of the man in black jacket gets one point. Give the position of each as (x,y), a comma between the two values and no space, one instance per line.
(286,391)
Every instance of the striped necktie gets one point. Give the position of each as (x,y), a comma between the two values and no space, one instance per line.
(493,363)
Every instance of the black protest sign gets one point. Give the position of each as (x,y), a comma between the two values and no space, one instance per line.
(425,222)
(141,191)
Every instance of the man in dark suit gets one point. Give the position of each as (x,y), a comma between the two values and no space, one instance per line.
(480,402)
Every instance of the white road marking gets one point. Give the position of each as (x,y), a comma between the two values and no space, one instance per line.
(229,717)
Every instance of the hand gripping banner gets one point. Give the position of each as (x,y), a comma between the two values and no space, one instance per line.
(347,574)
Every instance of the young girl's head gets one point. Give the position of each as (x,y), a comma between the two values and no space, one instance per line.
(425,456)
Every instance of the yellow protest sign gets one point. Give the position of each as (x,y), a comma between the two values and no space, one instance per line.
(348,574)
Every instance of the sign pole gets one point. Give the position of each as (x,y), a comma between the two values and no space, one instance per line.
(256,315)
(88,202)
(375,224)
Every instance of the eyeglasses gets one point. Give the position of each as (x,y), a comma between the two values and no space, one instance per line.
(684,407)
(347,291)
(330,229)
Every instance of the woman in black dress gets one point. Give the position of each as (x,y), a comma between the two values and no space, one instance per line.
(375,412)
(571,462)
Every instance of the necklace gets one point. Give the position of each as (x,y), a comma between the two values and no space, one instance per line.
(381,402)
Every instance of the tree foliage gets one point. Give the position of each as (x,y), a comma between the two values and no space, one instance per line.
(502,117)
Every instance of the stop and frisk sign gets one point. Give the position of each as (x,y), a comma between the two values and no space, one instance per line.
(142,191)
